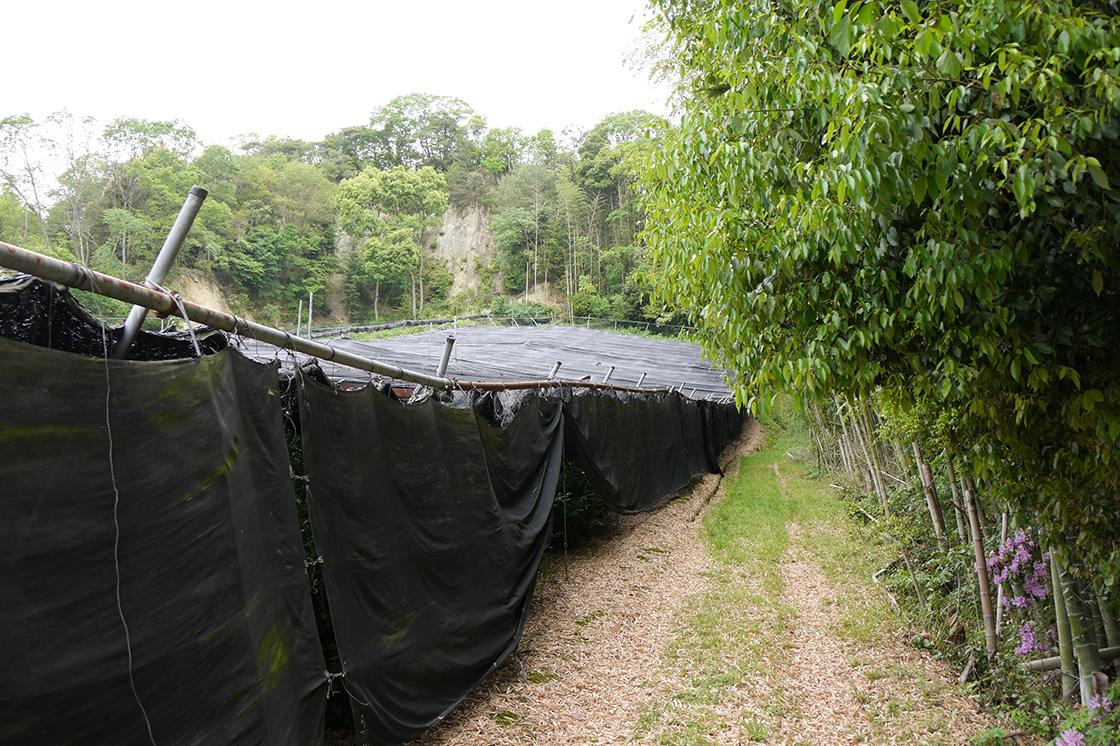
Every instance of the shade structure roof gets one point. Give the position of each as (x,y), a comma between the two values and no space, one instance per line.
(520,353)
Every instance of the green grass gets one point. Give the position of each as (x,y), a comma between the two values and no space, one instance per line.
(733,642)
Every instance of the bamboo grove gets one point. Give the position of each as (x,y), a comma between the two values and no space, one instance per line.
(905,214)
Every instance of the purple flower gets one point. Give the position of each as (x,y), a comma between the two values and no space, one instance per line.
(1102,703)
(1028,640)
(1070,737)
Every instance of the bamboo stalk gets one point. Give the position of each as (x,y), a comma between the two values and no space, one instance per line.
(982,574)
(962,530)
(934,508)
(1111,630)
(1085,647)
(865,443)
(1001,592)
(914,580)
(1065,636)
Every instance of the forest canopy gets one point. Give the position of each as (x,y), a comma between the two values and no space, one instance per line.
(288,217)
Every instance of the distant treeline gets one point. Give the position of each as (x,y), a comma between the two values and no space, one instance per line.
(562,209)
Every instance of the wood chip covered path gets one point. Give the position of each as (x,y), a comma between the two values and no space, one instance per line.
(595,664)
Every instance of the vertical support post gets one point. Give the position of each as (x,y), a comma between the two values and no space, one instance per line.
(299,317)
(158,273)
(446,356)
(310,303)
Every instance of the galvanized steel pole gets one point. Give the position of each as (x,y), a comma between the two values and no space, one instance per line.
(160,268)
(446,355)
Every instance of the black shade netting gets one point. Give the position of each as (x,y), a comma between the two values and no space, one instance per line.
(431,521)
(722,424)
(45,314)
(155,495)
(637,449)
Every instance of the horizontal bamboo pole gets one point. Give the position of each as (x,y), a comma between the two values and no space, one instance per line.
(1054,663)
(76,276)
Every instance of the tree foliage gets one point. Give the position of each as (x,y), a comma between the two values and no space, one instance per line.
(914,197)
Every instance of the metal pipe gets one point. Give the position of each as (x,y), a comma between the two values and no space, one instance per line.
(162,265)
(538,384)
(555,369)
(643,377)
(446,355)
(75,276)
(607,377)
(299,318)
(310,303)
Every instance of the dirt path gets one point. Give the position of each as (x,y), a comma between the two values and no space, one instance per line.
(592,667)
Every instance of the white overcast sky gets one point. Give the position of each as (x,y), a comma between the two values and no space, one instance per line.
(307,69)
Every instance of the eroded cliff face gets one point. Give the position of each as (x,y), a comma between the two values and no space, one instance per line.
(464,241)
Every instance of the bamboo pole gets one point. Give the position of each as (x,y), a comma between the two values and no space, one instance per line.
(1065,657)
(1111,630)
(847,438)
(1085,647)
(982,574)
(962,529)
(1001,592)
(1042,665)
(75,276)
(864,441)
(932,505)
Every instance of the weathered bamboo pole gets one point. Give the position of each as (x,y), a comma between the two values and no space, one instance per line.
(962,529)
(1001,592)
(982,574)
(1065,657)
(1054,663)
(847,438)
(928,489)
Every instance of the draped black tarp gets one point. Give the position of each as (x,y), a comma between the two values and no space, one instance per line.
(431,521)
(154,495)
(637,449)
(44,314)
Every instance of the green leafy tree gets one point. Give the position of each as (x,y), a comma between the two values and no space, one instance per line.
(419,130)
(389,207)
(917,198)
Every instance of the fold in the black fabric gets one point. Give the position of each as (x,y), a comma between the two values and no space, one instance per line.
(431,522)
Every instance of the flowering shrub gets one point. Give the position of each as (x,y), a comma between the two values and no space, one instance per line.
(1024,574)
(1017,559)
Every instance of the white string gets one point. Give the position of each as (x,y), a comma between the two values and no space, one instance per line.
(178,301)
(116,521)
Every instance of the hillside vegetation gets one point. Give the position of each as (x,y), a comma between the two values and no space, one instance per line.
(355,218)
